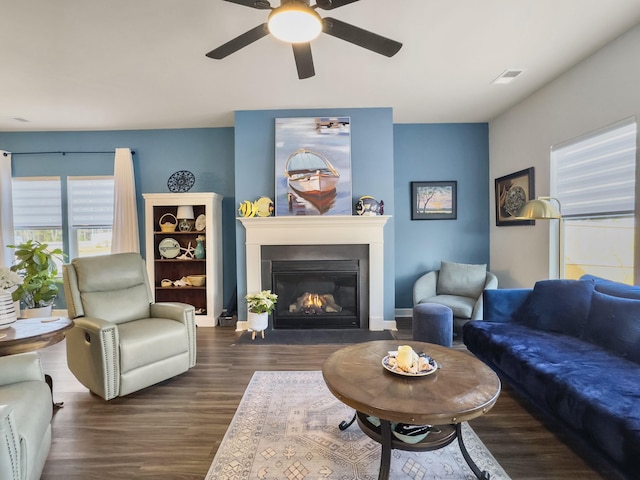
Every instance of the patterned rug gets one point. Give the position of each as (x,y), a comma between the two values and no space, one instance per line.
(286,428)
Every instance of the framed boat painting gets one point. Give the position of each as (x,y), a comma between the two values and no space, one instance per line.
(434,200)
(512,192)
(313,166)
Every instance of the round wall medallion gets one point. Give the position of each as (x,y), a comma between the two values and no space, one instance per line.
(181,181)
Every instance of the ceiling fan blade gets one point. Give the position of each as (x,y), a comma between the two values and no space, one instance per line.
(362,38)
(259,4)
(331,4)
(239,42)
(304,60)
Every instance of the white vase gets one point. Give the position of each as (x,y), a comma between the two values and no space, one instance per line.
(40,312)
(7,310)
(257,322)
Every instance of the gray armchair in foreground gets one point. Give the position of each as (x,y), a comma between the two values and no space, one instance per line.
(121,341)
(459,286)
(26,409)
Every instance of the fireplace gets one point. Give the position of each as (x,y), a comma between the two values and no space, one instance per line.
(318,286)
(319,230)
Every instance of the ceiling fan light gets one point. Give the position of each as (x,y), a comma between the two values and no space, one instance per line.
(294,23)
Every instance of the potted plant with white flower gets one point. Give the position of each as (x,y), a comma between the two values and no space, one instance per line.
(259,306)
(9,282)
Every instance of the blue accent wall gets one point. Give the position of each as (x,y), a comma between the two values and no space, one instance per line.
(440,152)
(238,163)
(206,152)
(371,169)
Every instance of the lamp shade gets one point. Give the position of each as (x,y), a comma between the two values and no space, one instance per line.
(186,212)
(294,22)
(539,208)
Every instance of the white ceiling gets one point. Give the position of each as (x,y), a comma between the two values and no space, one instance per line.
(140,64)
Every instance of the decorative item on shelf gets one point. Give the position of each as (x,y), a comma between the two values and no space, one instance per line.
(7,310)
(369,206)
(169,248)
(201,222)
(165,282)
(36,264)
(199,252)
(247,209)
(188,252)
(181,282)
(168,227)
(181,181)
(259,306)
(9,282)
(264,207)
(185,213)
(196,280)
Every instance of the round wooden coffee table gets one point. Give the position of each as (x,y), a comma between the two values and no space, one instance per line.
(30,334)
(461,389)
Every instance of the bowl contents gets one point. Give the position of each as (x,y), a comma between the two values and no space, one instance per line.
(407,360)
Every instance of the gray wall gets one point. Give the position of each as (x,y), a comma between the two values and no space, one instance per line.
(599,91)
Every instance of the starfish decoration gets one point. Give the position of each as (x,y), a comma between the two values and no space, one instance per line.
(188,252)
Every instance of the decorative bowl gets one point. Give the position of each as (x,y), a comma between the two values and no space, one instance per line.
(196,280)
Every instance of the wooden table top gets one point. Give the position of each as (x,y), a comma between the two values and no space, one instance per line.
(30,334)
(461,389)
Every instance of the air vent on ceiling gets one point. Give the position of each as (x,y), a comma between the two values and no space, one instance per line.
(507,76)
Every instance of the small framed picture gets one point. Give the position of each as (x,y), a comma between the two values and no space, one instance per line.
(512,192)
(434,200)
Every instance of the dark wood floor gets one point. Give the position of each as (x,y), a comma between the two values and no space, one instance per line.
(172,430)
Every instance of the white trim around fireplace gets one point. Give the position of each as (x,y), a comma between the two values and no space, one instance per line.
(321,230)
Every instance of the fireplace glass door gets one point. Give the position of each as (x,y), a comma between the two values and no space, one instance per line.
(316,293)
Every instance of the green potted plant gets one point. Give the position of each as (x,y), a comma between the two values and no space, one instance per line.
(35,263)
(259,306)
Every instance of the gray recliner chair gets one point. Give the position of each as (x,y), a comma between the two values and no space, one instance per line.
(26,409)
(121,341)
(459,286)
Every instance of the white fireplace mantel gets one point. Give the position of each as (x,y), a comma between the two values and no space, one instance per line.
(321,230)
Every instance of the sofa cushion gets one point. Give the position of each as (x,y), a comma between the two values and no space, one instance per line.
(614,323)
(462,307)
(461,279)
(558,306)
(616,289)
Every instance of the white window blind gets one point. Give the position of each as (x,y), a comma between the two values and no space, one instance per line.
(36,203)
(90,201)
(595,175)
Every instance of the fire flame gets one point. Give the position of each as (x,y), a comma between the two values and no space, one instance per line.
(313,300)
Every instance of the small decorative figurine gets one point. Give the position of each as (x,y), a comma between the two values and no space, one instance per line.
(369,206)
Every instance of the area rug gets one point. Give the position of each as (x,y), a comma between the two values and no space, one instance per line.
(286,428)
(314,336)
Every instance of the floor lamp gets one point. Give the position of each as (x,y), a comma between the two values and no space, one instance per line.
(542,208)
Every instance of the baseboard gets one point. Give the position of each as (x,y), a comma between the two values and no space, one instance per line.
(404,312)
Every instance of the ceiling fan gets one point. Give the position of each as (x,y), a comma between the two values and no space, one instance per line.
(306,24)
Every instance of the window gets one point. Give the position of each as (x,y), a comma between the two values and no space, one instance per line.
(594,178)
(37,210)
(40,204)
(90,202)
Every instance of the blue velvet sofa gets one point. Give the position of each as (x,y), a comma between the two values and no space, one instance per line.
(572,347)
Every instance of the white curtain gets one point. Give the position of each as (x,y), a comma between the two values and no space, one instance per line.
(6,210)
(125,212)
